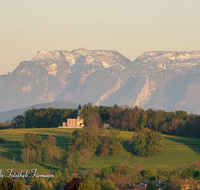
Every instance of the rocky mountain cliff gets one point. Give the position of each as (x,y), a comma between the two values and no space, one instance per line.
(161,80)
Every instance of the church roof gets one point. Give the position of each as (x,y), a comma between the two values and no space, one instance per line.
(72,116)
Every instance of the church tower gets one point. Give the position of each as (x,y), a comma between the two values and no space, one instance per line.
(80,120)
(79,110)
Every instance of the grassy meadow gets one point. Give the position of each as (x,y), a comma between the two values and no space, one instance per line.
(178,151)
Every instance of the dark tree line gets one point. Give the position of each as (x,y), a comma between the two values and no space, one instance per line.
(133,119)
(123,118)
(41,118)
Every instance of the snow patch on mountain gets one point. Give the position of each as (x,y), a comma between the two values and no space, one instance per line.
(111,91)
(25,72)
(106,65)
(52,69)
(145,93)
(26,89)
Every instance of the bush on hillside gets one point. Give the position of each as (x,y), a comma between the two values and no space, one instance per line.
(2,140)
(147,142)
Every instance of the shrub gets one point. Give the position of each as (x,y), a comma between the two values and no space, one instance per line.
(2,140)
(151,186)
(188,172)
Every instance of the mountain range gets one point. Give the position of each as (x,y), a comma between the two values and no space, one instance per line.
(166,80)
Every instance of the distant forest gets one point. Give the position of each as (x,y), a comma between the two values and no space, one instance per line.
(118,117)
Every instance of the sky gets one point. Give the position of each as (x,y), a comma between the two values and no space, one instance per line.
(130,27)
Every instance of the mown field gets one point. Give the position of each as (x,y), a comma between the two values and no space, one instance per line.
(178,151)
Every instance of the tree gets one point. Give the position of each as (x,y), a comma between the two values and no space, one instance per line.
(26,155)
(87,185)
(73,156)
(116,117)
(45,155)
(149,175)
(105,145)
(7,123)
(105,113)
(18,122)
(94,120)
(120,169)
(73,161)
(88,110)
(9,183)
(32,156)
(86,138)
(151,186)
(59,180)
(66,174)
(31,140)
(189,172)
(108,184)
(39,184)
(147,143)
(132,118)
(51,140)
(196,175)
(72,166)
(52,149)
(175,185)
(106,170)
(155,141)
(39,155)
(2,140)
(115,142)
(74,184)
(85,154)
(135,173)
(139,144)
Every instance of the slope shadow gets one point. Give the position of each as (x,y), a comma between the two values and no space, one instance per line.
(192,143)
(11,149)
(122,92)
(176,89)
(127,147)
(48,167)
(62,141)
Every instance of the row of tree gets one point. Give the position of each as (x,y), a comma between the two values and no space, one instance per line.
(41,118)
(131,119)
(38,151)
(118,117)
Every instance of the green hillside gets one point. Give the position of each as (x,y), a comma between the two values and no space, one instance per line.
(178,151)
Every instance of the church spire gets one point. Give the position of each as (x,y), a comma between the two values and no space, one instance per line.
(79,107)
(79,110)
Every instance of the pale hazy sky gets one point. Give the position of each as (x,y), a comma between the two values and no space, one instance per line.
(130,27)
